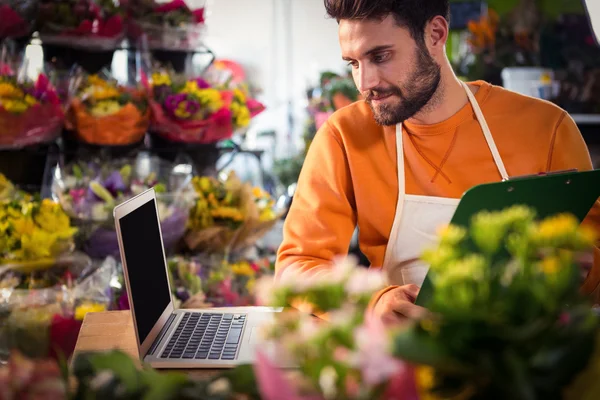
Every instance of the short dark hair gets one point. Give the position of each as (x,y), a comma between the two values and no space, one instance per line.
(412,14)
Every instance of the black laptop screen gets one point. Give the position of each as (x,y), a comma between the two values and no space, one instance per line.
(140,231)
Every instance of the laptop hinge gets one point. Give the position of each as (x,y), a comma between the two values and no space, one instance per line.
(161,334)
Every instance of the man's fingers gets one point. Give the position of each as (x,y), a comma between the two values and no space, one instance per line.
(409,310)
(412,291)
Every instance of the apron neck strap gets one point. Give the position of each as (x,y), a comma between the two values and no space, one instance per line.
(486,133)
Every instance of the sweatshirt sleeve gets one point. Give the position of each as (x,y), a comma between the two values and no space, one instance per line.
(569,151)
(322,217)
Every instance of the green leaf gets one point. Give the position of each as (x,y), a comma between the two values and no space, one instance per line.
(163,386)
(121,365)
(243,380)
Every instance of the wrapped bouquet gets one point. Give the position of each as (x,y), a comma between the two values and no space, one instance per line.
(17,17)
(81,23)
(105,113)
(194,111)
(30,112)
(41,311)
(214,282)
(88,191)
(171,26)
(228,216)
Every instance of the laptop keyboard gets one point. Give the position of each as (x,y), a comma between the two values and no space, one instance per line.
(204,336)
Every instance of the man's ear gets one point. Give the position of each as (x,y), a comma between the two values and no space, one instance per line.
(436,34)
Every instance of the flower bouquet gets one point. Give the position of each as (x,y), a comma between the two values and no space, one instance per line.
(193,111)
(17,17)
(30,112)
(36,267)
(349,356)
(167,26)
(104,113)
(507,319)
(198,283)
(228,216)
(88,192)
(85,24)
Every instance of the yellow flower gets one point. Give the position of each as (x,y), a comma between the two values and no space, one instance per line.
(52,218)
(550,265)
(181,111)
(267,215)
(556,226)
(250,285)
(242,268)
(451,234)
(10,91)
(228,213)
(210,98)
(83,309)
(23,226)
(101,93)
(104,108)
(95,80)
(159,79)
(37,245)
(14,106)
(242,116)
(239,96)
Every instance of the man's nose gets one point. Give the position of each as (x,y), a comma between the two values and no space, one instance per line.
(366,77)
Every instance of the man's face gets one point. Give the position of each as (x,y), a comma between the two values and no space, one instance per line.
(396,76)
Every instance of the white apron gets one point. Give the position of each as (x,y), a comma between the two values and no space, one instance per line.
(418,217)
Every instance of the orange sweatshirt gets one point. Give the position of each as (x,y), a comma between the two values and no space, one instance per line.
(350,177)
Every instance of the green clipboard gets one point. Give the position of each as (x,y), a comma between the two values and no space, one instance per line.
(549,194)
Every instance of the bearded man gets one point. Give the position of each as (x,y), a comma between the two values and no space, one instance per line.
(396,163)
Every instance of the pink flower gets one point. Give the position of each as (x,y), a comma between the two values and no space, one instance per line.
(255,267)
(63,336)
(227,293)
(374,356)
(272,382)
(77,195)
(26,379)
(172,6)
(402,386)
(199,15)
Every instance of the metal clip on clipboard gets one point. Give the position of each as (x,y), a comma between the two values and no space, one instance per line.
(540,174)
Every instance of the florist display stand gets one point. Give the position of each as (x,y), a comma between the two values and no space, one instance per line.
(203,156)
(74,149)
(30,166)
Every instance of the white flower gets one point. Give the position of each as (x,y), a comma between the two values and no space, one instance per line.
(264,290)
(102,379)
(364,281)
(327,381)
(219,387)
(343,315)
(343,267)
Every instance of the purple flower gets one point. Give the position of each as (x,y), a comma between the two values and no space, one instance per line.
(173,101)
(202,84)
(114,183)
(179,106)
(123,302)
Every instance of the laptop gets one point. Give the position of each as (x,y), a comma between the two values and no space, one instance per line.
(177,338)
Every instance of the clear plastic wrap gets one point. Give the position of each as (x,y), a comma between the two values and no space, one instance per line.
(85,24)
(88,192)
(41,309)
(169,26)
(30,108)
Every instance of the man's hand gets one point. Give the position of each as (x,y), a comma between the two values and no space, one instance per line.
(398,305)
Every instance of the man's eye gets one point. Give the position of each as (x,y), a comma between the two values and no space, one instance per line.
(353,64)
(379,58)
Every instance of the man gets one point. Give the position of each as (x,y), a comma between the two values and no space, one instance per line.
(397,163)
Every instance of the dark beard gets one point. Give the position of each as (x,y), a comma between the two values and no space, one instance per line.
(418,92)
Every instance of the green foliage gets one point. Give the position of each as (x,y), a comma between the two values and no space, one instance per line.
(507,318)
